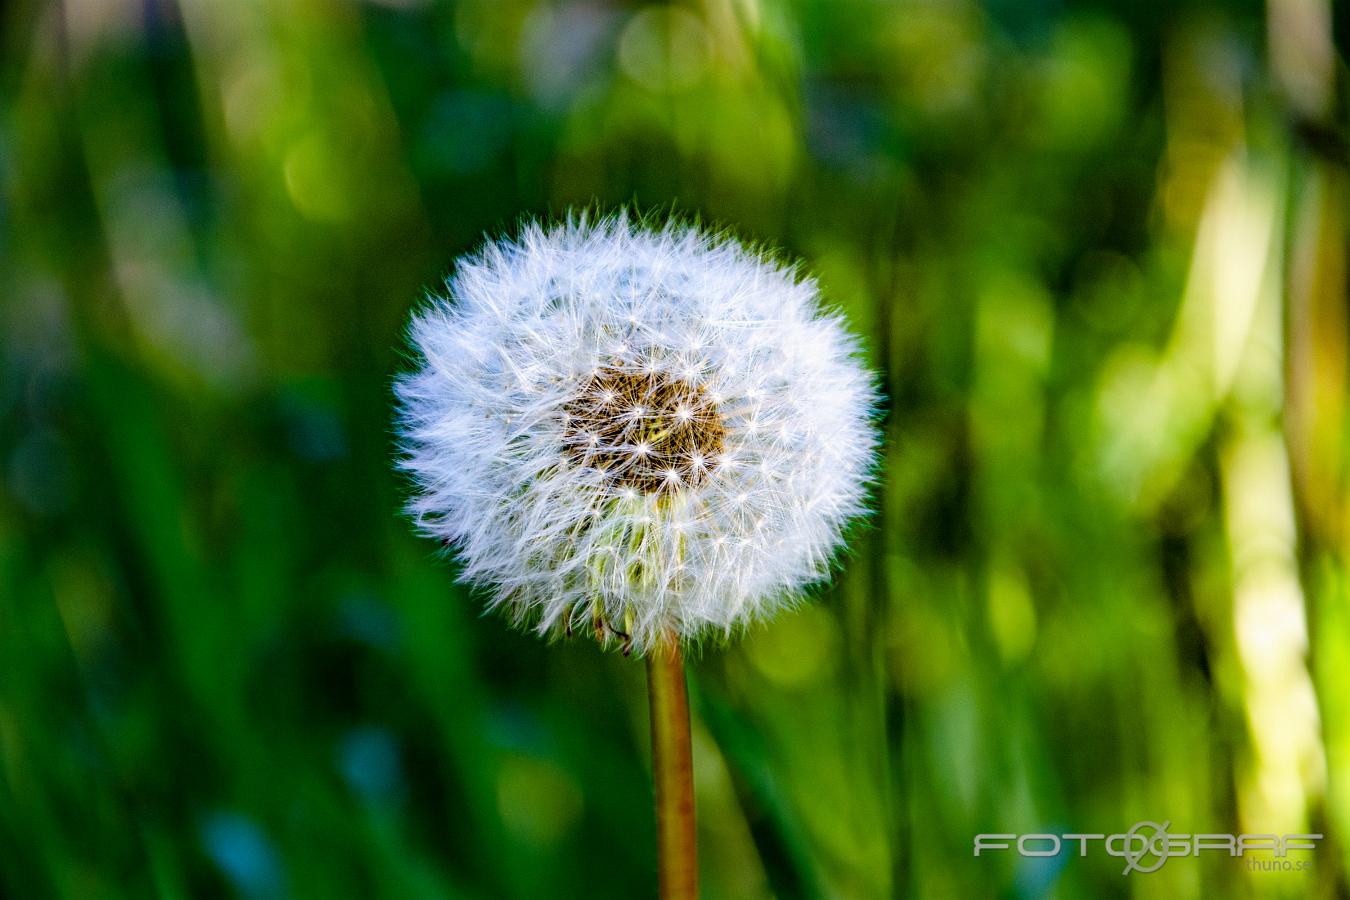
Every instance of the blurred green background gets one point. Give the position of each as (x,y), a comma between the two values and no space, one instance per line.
(1096,249)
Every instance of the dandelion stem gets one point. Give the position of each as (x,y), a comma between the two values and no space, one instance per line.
(673,773)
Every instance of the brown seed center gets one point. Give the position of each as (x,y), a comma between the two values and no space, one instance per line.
(644,430)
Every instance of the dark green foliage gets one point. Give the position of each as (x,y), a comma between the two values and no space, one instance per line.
(1096,250)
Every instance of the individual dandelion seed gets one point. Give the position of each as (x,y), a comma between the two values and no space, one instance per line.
(654,434)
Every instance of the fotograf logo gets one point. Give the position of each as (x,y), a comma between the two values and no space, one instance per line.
(1148,845)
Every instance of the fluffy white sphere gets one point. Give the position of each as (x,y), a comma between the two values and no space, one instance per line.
(657,434)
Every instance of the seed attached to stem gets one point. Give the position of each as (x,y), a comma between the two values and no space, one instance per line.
(644,430)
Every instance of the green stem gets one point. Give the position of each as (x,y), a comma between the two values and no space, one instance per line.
(673,773)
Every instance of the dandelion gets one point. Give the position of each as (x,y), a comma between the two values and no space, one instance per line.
(655,435)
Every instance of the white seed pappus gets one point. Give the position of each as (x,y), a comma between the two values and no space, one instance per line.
(652,433)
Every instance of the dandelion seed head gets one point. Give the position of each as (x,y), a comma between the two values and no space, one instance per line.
(624,430)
